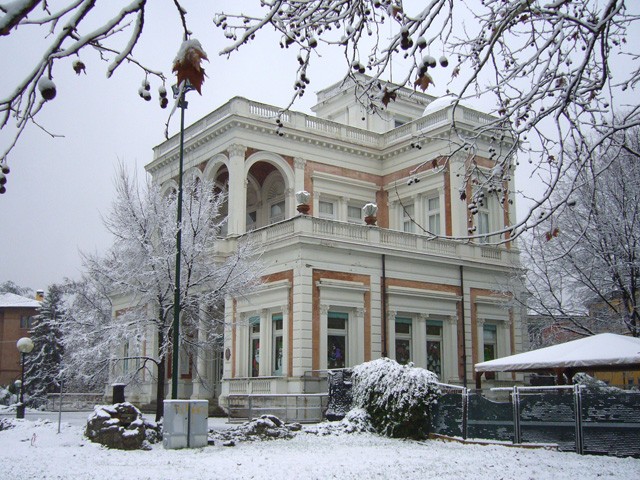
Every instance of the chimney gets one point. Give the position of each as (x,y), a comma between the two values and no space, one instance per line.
(40,295)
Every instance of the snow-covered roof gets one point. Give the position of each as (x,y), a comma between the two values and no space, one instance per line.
(603,350)
(11,300)
(443,102)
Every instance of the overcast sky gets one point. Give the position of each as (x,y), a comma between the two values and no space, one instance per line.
(58,188)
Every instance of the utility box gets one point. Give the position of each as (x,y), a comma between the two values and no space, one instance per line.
(185,424)
(198,426)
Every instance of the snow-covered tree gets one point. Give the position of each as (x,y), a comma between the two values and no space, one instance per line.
(583,263)
(552,71)
(138,271)
(42,365)
(86,321)
(10,286)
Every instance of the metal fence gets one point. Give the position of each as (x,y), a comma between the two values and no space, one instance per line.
(303,407)
(73,402)
(576,418)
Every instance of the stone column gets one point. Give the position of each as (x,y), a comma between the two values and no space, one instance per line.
(237,190)
(324,312)
(450,340)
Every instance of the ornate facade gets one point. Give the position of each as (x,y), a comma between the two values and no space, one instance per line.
(337,291)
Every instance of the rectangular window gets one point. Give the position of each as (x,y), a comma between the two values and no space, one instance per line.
(483,222)
(490,336)
(433,215)
(26,321)
(254,344)
(278,344)
(337,323)
(434,347)
(407,216)
(403,340)
(354,214)
(327,209)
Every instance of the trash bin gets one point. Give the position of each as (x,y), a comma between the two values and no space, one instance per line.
(118,392)
(185,424)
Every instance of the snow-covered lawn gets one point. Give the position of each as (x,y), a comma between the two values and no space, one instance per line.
(34,450)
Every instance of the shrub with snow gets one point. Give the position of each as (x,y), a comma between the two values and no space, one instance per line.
(397,398)
(6,397)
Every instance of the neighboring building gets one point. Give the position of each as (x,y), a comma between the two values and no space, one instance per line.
(339,292)
(603,316)
(16,317)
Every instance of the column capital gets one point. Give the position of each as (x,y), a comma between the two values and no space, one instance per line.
(236,150)
(299,162)
(324,309)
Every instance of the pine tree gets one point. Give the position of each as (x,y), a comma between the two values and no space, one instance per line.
(42,365)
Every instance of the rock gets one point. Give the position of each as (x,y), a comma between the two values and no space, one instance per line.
(120,426)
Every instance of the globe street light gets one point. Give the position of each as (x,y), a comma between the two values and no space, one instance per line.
(24,345)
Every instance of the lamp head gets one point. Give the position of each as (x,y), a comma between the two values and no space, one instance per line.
(24,345)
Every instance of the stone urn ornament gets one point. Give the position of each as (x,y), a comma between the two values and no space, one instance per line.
(370,210)
(302,202)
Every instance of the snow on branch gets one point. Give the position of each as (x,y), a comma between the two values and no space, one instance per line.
(554,72)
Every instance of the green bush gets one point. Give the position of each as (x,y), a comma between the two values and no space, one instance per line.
(398,398)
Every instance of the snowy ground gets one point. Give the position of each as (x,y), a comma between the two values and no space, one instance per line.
(34,450)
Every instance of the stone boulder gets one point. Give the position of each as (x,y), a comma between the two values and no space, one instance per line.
(120,426)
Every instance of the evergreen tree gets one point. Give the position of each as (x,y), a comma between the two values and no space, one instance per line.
(42,365)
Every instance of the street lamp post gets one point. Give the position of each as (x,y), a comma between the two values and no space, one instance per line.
(24,345)
(179,92)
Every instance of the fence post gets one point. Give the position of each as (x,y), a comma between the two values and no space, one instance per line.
(465,412)
(577,401)
(250,408)
(515,399)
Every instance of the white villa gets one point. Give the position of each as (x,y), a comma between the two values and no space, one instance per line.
(339,292)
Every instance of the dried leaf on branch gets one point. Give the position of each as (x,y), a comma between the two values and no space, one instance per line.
(187,64)
(423,81)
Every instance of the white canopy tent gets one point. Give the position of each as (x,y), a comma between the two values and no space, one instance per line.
(603,352)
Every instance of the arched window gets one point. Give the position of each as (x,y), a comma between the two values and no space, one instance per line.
(275,198)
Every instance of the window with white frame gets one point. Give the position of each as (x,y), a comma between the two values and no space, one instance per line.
(434,347)
(277,344)
(432,207)
(407,218)
(490,337)
(327,209)
(354,214)
(337,339)
(254,346)
(403,340)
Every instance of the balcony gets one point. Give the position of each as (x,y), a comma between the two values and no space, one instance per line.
(250,110)
(312,229)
